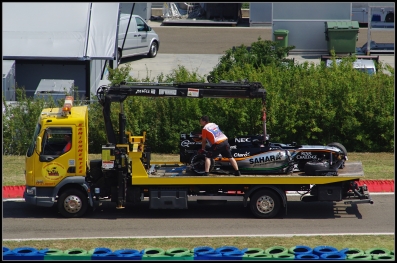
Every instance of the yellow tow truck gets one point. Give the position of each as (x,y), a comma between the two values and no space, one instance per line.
(62,175)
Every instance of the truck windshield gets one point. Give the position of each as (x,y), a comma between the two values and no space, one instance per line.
(33,142)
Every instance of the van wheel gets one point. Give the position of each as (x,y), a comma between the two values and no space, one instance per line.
(153,50)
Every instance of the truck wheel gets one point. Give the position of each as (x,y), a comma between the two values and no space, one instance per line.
(153,50)
(72,203)
(312,166)
(265,204)
(198,164)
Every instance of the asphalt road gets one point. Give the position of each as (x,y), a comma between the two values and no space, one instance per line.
(23,221)
(216,40)
(198,49)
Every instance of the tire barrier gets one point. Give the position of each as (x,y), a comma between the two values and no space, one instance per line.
(383,257)
(297,250)
(252,251)
(333,256)
(260,256)
(200,253)
(27,253)
(153,251)
(234,255)
(202,249)
(352,251)
(286,256)
(99,251)
(226,249)
(208,256)
(276,250)
(360,257)
(377,251)
(75,254)
(51,252)
(178,251)
(127,252)
(324,249)
(306,256)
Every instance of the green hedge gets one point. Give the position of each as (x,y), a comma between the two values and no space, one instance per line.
(306,103)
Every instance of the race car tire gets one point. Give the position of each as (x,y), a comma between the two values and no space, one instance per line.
(312,166)
(339,146)
(198,164)
(265,204)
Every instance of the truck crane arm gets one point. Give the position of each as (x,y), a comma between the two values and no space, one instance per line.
(108,94)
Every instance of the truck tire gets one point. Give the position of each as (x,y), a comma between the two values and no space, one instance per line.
(197,164)
(312,166)
(265,204)
(72,203)
(153,50)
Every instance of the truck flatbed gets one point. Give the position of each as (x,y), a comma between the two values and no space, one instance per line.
(180,175)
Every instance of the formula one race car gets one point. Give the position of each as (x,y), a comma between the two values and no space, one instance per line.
(257,156)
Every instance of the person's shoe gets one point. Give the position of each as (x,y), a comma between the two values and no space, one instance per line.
(237,173)
(206,174)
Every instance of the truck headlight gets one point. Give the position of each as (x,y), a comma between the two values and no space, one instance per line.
(31,190)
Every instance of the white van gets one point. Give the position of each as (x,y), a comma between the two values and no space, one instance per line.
(141,38)
(364,65)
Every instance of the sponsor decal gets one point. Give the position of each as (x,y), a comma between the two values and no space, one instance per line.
(143,91)
(192,92)
(183,136)
(242,140)
(167,92)
(306,156)
(187,143)
(53,171)
(246,154)
(265,159)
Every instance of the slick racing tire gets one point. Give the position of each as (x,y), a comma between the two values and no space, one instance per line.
(198,164)
(339,146)
(312,166)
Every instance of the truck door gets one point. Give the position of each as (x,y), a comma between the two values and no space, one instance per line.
(57,158)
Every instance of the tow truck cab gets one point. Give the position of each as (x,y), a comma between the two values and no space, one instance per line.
(50,168)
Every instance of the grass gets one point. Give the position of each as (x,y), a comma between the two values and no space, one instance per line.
(347,241)
(377,166)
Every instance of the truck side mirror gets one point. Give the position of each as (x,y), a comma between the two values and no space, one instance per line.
(38,145)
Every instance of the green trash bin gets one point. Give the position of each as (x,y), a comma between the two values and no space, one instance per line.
(281,37)
(342,36)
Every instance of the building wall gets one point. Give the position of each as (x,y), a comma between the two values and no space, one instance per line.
(306,22)
(30,73)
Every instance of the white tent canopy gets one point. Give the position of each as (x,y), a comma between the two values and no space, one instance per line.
(72,31)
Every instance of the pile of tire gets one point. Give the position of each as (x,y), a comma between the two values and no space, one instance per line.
(300,252)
